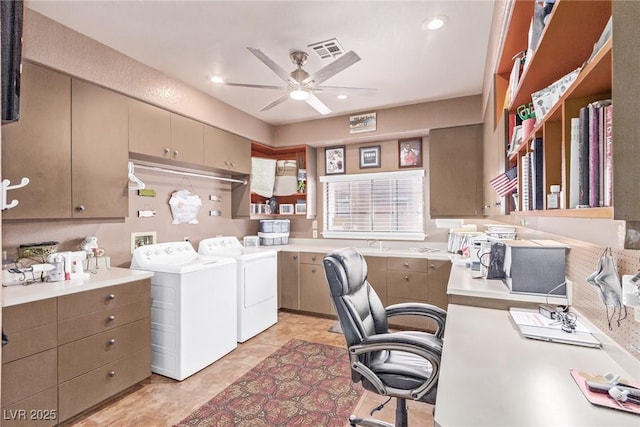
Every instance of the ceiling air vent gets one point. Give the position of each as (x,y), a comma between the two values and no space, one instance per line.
(327,49)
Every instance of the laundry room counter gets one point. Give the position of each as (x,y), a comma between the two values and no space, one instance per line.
(20,294)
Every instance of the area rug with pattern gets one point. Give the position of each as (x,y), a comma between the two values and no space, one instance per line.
(300,384)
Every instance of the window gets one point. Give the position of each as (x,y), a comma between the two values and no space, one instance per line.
(386,205)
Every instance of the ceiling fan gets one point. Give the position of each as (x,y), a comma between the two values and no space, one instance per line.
(302,86)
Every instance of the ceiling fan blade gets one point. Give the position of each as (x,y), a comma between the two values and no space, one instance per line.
(284,75)
(276,102)
(317,104)
(363,91)
(332,69)
(256,86)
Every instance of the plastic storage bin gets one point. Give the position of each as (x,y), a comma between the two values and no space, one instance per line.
(274,226)
(271,239)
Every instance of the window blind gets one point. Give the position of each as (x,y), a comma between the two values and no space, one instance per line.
(374,206)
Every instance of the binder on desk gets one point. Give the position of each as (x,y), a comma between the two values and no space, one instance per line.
(535,326)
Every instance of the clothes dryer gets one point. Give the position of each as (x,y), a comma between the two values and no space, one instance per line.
(257,283)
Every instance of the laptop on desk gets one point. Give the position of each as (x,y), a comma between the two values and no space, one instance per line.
(535,326)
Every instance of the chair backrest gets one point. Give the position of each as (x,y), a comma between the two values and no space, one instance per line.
(359,309)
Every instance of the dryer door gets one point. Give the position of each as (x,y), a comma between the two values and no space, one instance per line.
(260,280)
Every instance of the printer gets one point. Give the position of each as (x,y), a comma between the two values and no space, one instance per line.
(535,267)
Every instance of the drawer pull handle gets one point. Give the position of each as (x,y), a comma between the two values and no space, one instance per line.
(313,270)
(111,296)
(406,278)
(406,264)
(111,318)
(295,257)
(112,341)
(112,373)
(313,258)
(166,150)
(433,267)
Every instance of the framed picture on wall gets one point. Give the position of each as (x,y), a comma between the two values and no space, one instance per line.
(370,157)
(410,153)
(334,160)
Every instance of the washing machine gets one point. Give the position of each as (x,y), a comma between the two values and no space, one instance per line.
(257,283)
(193,309)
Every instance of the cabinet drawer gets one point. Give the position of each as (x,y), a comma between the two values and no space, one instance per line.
(30,315)
(102,299)
(79,357)
(408,264)
(28,342)
(93,387)
(89,324)
(39,410)
(410,284)
(28,376)
(311,258)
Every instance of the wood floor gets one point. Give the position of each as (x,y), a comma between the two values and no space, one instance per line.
(160,401)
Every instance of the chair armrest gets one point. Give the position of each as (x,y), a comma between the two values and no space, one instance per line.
(420,309)
(427,349)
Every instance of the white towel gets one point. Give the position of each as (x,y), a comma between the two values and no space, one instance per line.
(263,176)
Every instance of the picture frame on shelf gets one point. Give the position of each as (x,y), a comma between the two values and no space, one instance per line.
(286,209)
(301,208)
(410,153)
(334,160)
(370,157)
(142,239)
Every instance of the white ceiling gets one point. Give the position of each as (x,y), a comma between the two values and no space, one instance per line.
(194,40)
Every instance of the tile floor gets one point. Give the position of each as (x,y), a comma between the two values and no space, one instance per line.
(160,401)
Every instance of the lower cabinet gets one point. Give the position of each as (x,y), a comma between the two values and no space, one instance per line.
(70,353)
(314,291)
(303,285)
(288,270)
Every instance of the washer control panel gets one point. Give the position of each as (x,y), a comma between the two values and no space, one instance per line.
(170,253)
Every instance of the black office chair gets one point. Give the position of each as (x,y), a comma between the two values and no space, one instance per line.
(405,364)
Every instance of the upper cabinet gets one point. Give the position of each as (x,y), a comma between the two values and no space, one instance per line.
(38,146)
(455,169)
(99,157)
(545,156)
(162,134)
(71,142)
(226,151)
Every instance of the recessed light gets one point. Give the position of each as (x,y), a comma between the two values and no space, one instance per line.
(217,79)
(435,23)
(342,96)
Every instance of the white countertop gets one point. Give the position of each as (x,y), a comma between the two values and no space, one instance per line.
(20,294)
(491,376)
(461,283)
(436,250)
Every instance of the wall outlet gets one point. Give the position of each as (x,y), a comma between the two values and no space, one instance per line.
(314,225)
(315,234)
(186,239)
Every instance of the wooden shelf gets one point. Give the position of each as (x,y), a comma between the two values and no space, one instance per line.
(565,44)
(606,213)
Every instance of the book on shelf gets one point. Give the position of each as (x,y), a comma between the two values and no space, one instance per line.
(537,174)
(594,155)
(525,173)
(583,158)
(574,165)
(608,156)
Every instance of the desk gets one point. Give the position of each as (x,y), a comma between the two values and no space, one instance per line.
(491,376)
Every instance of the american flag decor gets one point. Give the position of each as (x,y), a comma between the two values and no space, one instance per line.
(506,182)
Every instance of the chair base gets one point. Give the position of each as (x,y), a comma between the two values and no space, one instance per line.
(401,418)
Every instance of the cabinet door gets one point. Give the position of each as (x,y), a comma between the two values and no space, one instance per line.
(226,151)
(455,167)
(288,280)
(186,139)
(438,280)
(99,155)
(314,291)
(38,146)
(149,129)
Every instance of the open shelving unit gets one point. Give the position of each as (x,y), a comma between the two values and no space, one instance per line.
(566,43)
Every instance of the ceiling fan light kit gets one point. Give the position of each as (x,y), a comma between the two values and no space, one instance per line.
(300,85)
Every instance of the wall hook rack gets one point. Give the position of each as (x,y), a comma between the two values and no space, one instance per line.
(6,186)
